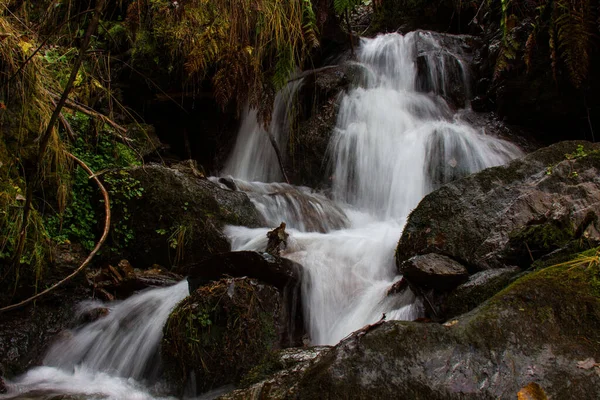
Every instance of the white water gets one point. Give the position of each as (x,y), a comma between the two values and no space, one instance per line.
(108,358)
(392,145)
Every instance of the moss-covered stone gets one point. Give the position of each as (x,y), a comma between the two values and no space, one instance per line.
(179,217)
(220,332)
(537,329)
(473,219)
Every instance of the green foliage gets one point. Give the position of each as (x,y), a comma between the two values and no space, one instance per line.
(122,188)
(79,220)
(341,7)
(248,47)
(570,27)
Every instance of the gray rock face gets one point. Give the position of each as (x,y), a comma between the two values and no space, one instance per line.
(318,101)
(179,217)
(433,271)
(513,214)
(526,333)
(476,290)
(292,362)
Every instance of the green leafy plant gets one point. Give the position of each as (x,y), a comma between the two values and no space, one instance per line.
(78,221)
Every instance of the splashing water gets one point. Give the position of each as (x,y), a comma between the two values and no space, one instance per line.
(108,358)
(392,145)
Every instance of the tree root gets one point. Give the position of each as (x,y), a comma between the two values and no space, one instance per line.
(93,252)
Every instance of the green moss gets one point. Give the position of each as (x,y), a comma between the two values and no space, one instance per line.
(547,236)
(555,305)
(270,364)
(220,333)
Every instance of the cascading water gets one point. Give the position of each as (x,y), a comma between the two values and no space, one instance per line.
(392,145)
(396,139)
(108,358)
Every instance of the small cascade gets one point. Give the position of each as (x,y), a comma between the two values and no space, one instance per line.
(253,157)
(109,357)
(396,140)
(394,144)
(300,207)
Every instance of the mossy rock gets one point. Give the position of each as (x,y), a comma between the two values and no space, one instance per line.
(538,329)
(178,216)
(544,200)
(220,332)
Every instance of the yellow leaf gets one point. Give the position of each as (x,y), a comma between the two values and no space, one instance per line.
(25,46)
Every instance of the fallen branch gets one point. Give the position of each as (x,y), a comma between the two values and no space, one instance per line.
(73,105)
(90,256)
(66,124)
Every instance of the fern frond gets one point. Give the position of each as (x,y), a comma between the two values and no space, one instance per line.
(310,24)
(574,26)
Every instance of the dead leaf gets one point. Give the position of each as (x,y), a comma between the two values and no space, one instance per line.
(451,323)
(19,197)
(588,363)
(533,391)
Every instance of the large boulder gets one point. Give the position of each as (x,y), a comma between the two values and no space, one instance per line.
(172,216)
(542,329)
(219,332)
(513,214)
(281,273)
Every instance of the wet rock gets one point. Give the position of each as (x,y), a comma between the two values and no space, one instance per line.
(220,332)
(433,271)
(179,217)
(476,290)
(513,214)
(123,280)
(92,314)
(277,240)
(278,272)
(526,333)
(398,287)
(275,271)
(271,380)
(25,334)
(444,66)
(318,101)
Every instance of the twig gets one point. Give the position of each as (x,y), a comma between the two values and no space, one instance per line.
(278,154)
(66,124)
(529,251)
(90,256)
(72,104)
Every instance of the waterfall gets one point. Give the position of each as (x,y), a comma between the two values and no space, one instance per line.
(396,139)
